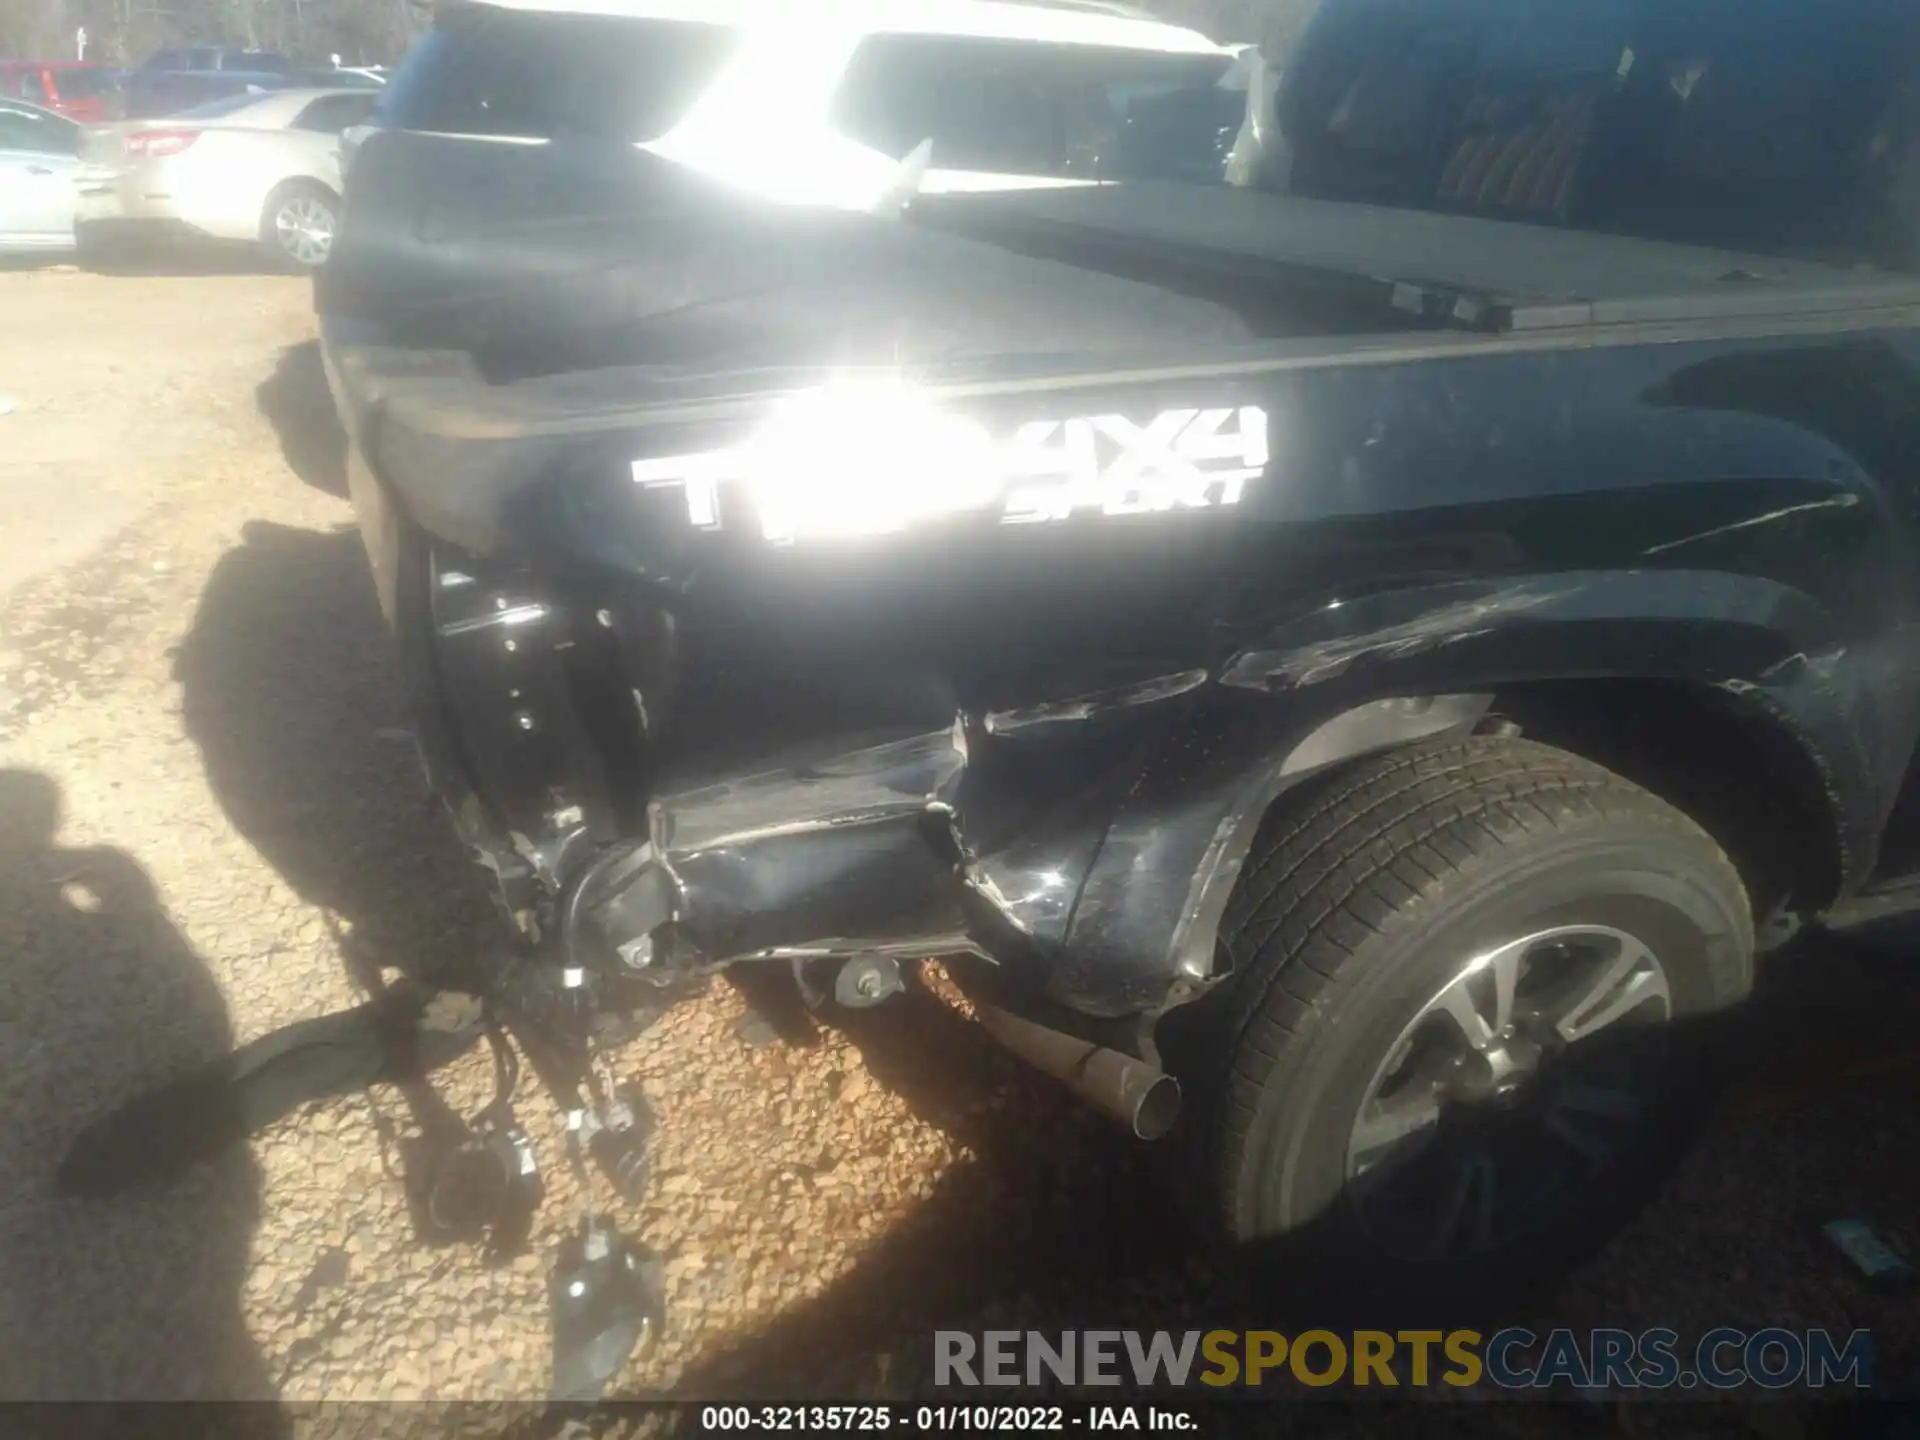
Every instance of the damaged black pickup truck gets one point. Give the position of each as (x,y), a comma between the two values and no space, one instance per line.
(1347,669)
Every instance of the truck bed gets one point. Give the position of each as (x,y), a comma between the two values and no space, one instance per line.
(1481,274)
(498,305)
(504,290)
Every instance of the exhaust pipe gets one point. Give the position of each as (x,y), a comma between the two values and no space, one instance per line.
(1142,1097)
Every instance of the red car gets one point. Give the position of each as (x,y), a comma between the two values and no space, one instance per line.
(82,90)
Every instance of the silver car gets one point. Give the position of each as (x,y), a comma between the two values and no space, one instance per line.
(259,167)
(39,160)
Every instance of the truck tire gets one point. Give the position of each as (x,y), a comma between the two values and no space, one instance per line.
(1471,981)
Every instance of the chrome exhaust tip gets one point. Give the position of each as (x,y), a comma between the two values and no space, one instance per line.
(1142,1097)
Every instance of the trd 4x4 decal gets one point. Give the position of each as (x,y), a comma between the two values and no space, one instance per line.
(1180,459)
(877,467)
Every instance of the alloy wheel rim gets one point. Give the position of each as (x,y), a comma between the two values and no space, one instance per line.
(304,228)
(1515,1086)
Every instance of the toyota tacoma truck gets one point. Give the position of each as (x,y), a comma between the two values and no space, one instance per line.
(1345,669)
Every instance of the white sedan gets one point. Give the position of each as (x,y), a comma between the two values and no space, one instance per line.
(257,167)
(39,155)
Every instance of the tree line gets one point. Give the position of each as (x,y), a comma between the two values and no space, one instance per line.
(125,32)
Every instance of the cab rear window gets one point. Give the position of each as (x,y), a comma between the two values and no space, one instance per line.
(1019,108)
(1772,126)
(546,76)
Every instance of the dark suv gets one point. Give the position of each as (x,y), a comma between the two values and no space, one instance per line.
(213,57)
(169,81)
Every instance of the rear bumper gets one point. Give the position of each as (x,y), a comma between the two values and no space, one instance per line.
(128,197)
(163,199)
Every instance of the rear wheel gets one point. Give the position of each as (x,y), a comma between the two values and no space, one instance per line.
(1471,981)
(298,224)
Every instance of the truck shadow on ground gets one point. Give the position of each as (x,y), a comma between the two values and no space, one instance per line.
(288,691)
(136,1295)
(297,404)
(164,260)
(165,257)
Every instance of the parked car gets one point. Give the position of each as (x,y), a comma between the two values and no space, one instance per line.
(216,58)
(153,95)
(39,159)
(259,168)
(81,90)
(170,82)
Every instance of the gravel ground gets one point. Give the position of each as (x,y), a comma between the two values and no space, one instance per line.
(210,817)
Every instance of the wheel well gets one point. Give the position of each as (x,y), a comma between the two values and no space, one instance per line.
(301,182)
(1741,775)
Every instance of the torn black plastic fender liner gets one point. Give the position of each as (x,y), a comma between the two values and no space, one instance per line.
(811,856)
(1104,897)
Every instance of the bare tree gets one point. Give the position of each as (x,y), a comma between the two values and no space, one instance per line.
(379,31)
(126,31)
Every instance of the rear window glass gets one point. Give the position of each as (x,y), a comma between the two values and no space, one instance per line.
(546,76)
(219,109)
(1774,126)
(1017,108)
